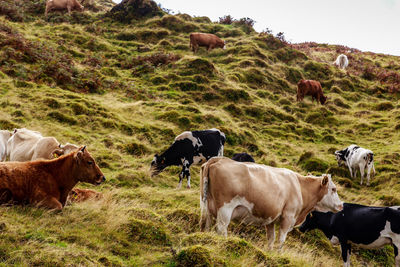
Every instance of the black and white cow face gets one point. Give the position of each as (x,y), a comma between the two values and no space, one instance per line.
(340,157)
(313,221)
(157,165)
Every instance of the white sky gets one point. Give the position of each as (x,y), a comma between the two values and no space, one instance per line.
(369,25)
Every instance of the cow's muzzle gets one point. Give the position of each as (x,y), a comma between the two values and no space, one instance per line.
(101,179)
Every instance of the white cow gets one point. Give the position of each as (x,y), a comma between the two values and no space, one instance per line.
(341,61)
(355,157)
(4,136)
(27,145)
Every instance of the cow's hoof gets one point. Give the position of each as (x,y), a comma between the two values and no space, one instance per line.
(188,187)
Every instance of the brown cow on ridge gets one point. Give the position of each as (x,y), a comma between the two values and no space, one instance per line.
(208,40)
(62,5)
(47,183)
(311,88)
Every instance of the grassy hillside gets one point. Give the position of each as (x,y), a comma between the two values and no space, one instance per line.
(127,89)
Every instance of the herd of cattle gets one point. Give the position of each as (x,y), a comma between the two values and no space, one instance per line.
(43,172)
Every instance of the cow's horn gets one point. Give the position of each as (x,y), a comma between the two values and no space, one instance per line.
(83,149)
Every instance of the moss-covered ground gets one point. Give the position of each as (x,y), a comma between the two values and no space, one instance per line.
(126,90)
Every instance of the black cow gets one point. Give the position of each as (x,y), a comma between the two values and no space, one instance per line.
(190,148)
(243,157)
(367,227)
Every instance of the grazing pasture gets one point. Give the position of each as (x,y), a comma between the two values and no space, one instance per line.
(126,89)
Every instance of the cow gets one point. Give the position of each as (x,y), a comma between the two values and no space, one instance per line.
(257,194)
(243,157)
(341,61)
(355,157)
(210,41)
(62,5)
(364,226)
(4,136)
(190,148)
(47,183)
(311,88)
(26,145)
(80,195)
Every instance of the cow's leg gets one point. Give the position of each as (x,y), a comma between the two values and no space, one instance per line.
(362,169)
(224,218)
(346,251)
(181,175)
(396,255)
(286,226)
(186,170)
(210,47)
(270,234)
(69,7)
(351,171)
(369,167)
(51,203)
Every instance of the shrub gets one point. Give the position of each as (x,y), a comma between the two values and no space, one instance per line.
(194,256)
(227,19)
(128,10)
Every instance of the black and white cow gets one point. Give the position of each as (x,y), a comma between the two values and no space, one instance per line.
(190,148)
(366,227)
(243,157)
(355,157)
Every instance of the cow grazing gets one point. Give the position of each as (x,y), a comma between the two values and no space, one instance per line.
(80,195)
(355,157)
(190,148)
(4,136)
(367,227)
(47,183)
(69,5)
(26,145)
(258,194)
(210,41)
(243,157)
(341,61)
(311,88)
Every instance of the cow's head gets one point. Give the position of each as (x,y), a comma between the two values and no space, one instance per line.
(339,154)
(88,171)
(323,99)
(64,149)
(330,201)
(157,165)
(311,222)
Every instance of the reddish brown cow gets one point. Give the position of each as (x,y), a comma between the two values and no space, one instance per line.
(311,88)
(62,5)
(80,195)
(47,183)
(208,40)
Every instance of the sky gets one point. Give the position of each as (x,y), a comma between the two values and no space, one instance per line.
(368,25)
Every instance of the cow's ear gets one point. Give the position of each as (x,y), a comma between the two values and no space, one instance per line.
(57,153)
(163,161)
(324,181)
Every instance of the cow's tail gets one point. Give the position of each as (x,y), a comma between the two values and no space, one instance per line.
(205,216)
(190,42)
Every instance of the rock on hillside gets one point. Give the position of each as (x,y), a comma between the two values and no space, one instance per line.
(135,9)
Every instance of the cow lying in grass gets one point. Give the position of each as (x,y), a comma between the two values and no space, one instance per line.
(363,226)
(47,183)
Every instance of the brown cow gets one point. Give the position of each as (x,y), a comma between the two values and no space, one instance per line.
(208,40)
(262,195)
(62,5)
(311,88)
(80,195)
(47,183)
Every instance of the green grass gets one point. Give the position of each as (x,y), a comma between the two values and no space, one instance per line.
(126,90)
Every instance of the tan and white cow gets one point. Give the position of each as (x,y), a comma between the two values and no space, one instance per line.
(27,145)
(258,194)
(4,136)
